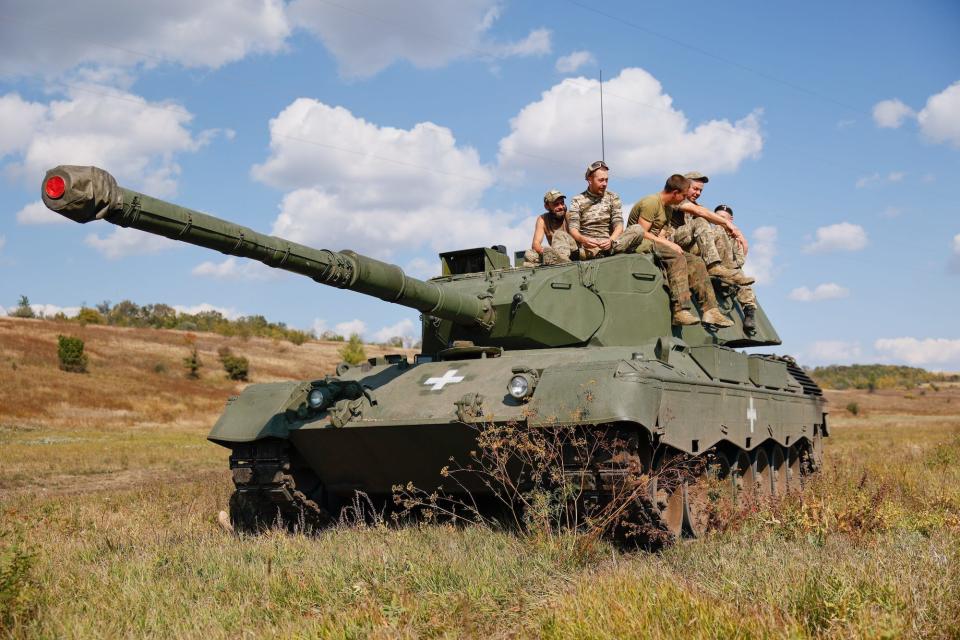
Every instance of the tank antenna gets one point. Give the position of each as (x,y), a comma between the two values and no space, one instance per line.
(603,146)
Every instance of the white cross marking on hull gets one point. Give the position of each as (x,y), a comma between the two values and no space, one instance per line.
(751,414)
(449,377)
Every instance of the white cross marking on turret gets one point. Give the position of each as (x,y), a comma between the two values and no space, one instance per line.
(751,414)
(448,378)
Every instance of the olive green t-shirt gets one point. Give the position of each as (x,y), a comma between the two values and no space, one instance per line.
(652,209)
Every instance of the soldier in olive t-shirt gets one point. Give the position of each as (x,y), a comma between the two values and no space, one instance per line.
(685,271)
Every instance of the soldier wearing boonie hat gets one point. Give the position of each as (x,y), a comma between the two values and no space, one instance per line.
(552,226)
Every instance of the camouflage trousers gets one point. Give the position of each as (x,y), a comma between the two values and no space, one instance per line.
(685,273)
(731,255)
(697,236)
(627,242)
(561,246)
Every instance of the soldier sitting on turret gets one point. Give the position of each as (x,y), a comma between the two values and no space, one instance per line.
(595,219)
(654,215)
(551,225)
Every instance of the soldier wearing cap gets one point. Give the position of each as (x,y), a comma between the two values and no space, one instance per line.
(733,258)
(697,230)
(595,219)
(551,225)
(654,215)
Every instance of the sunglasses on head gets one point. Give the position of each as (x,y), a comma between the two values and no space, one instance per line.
(599,164)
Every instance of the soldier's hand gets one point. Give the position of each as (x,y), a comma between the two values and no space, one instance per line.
(673,245)
(604,244)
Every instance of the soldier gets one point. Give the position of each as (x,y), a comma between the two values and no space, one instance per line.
(595,219)
(695,233)
(551,225)
(733,257)
(685,271)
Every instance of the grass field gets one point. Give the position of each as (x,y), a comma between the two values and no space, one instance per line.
(109,494)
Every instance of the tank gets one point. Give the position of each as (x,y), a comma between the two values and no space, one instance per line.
(586,346)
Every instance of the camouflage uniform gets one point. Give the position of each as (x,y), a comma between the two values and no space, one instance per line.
(596,217)
(731,255)
(685,271)
(696,235)
(561,246)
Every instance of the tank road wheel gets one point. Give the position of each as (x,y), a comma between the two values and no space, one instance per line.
(779,468)
(795,475)
(762,473)
(744,479)
(710,498)
(667,489)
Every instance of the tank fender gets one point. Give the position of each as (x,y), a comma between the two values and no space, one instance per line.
(603,392)
(260,411)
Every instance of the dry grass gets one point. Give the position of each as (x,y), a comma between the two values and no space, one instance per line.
(109,494)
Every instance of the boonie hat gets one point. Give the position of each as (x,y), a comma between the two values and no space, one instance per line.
(696,176)
(552,196)
(593,166)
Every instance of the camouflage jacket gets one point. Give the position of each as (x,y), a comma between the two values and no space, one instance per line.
(595,216)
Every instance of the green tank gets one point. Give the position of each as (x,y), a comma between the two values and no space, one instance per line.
(587,346)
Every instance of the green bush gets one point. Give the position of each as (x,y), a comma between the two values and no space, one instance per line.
(353,352)
(237,367)
(192,363)
(23,310)
(17,598)
(90,316)
(71,355)
(853,408)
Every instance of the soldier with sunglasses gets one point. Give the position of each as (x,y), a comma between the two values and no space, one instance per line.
(595,218)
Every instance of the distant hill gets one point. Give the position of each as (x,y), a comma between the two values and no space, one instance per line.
(876,376)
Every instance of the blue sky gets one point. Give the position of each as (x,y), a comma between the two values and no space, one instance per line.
(404,129)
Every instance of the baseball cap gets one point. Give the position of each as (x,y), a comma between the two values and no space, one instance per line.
(696,176)
(593,166)
(552,196)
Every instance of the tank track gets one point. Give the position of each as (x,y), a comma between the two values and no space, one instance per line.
(636,506)
(267,492)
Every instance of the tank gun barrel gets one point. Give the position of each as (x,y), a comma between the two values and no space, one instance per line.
(84,194)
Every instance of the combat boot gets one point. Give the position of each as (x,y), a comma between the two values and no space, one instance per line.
(741,279)
(717,319)
(750,320)
(684,317)
(722,273)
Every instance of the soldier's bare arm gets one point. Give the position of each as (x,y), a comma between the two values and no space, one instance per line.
(647,235)
(539,231)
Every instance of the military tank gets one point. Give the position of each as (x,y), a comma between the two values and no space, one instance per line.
(587,345)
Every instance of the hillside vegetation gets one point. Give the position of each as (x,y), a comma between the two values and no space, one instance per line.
(876,376)
(109,494)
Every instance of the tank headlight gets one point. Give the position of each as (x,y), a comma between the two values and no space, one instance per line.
(520,386)
(318,398)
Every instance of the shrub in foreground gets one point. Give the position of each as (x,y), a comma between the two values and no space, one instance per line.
(71,355)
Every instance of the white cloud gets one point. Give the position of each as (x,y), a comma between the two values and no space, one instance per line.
(422,268)
(890,114)
(763,249)
(826,291)
(896,176)
(940,118)
(3,311)
(133,138)
(956,244)
(227,312)
(236,269)
(3,242)
(350,327)
(929,351)
(832,352)
(570,63)
(377,189)
(406,329)
(866,181)
(838,237)
(50,310)
(37,213)
(122,242)
(367,36)
(646,135)
(49,37)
